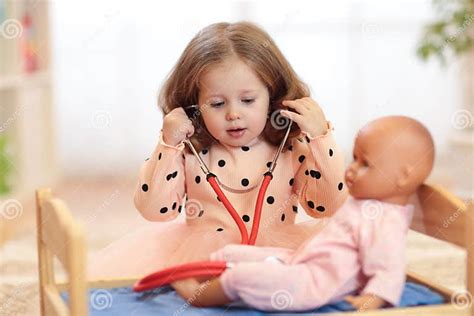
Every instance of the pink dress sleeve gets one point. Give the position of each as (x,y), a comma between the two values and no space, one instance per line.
(319,174)
(161,186)
(382,253)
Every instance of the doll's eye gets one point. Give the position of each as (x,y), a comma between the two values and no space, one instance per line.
(248,101)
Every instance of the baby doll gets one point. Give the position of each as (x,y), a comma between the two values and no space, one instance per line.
(359,255)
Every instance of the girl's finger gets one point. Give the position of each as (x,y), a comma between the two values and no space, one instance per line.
(308,103)
(289,114)
(298,106)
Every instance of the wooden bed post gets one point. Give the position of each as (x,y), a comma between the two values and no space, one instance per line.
(470,252)
(45,258)
(61,237)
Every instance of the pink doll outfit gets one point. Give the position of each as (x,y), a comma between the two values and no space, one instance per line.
(360,250)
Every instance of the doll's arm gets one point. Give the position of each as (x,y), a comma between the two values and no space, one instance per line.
(382,251)
(161,185)
(319,174)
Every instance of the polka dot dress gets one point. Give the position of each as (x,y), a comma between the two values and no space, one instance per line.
(172,188)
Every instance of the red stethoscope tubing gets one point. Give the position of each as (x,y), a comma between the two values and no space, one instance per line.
(208,268)
(212,268)
(184,271)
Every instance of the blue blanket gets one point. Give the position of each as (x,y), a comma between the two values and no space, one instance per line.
(165,301)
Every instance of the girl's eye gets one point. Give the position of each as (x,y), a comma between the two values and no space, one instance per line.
(365,163)
(248,100)
(216,104)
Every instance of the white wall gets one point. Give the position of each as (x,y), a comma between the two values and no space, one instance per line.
(358,57)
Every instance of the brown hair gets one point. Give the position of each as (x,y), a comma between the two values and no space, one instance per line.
(211,46)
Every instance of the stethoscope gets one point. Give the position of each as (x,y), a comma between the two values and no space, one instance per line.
(214,268)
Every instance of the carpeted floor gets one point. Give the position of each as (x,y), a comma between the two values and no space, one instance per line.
(106,209)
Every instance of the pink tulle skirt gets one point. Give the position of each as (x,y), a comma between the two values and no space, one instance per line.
(159,245)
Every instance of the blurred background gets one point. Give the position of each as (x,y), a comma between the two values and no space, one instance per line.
(79,81)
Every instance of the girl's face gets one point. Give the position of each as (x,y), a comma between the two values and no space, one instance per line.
(232,96)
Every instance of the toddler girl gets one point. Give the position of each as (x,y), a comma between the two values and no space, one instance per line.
(240,81)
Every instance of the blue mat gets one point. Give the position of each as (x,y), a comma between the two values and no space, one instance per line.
(165,301)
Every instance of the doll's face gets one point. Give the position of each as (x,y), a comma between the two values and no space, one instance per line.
(232,96)
(375,168)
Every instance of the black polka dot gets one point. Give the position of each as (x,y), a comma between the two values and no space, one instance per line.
(219,199)
(197,179)
(306,172)
(145,187)
(290,148)
(311,204)
(283,217)
(245,148)
(147,159)
(174,206)
(270,199)
(330,152)
(164,210)
(301,158)
(220,229)
(292,180)
(204,151)
(269,164)
(320,208)
(246,218)
(340,186)
(221,163)
(315,174)
(187,197)
(201,213)
(295,208)
(171,175)
(179,209)
(159,156)
(245,182)
(307,139)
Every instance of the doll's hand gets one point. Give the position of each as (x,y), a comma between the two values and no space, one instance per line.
(309,116)
(235,253)
(247,253)
(365,302)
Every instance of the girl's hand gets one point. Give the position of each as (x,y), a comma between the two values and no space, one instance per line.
(176,127)
(309,116)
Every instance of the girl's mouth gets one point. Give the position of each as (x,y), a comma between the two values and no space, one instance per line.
(237,132)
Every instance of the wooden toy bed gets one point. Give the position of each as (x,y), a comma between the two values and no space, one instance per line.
(441,215)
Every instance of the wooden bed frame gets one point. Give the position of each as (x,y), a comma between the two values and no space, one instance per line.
(441,215)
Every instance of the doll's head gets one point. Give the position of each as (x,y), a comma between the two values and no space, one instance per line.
(393,155)
(238,77)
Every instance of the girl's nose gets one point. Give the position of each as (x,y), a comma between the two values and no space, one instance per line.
(232,113)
